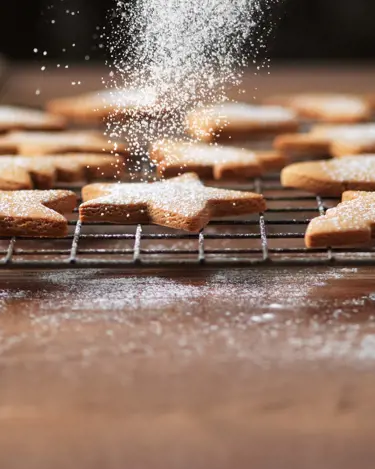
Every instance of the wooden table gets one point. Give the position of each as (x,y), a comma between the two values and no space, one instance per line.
(263,368)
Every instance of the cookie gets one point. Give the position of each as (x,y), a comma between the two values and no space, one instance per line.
(371,100)
(183,203)
(351,195)
(350,223)
(48,143)
(331,177)
(94,107)
(333,140)
(212,161)
(16,118)
(20,172)
(327,107)
(35,213)
(86,167)
(240,122)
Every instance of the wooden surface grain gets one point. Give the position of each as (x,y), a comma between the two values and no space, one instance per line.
(217,369)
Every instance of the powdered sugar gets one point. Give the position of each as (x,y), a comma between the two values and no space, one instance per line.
(187,153)
(187,53)
(349,133)
(30,204)
(276,318)
(350,169)
(121,99)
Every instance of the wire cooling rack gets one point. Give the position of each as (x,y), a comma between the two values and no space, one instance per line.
(273,238)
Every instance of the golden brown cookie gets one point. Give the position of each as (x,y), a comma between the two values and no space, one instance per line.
(350,223)
(27,172)
(333,140)
(351,195)
(48,143)
(370,98)
(213,161)
(86,167)
(327,107)
(240,122)
(35,213)
(94,107)
(183,203)
(17,118)
(331,177)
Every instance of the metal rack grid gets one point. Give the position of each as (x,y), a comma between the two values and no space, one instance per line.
(273,238)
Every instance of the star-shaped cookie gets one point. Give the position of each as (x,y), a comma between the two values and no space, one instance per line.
(35,213)
(331,177)
(333,140)
(182,203)
(213,161)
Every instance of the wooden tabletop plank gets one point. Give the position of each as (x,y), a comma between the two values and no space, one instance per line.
(217,369)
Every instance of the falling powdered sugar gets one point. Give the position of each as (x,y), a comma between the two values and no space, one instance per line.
(186,53)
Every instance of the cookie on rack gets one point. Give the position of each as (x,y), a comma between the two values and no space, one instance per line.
(213,161)
(182,203)
(96,106)
(371,100)
(329,140)
(240,121)
(48,143)
(41,172)
(332,177)
(351,223)
(35,213)
(326,107)
(18,118)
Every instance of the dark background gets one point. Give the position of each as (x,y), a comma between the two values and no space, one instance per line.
(305,29)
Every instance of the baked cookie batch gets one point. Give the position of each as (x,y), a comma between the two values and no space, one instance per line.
(37,149)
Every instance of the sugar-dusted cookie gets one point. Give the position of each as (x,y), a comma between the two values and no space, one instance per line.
(17,118)
(86,167)
(183,203)
(213,161)
(28,172)
(47,143)
(351,195)
(240,121)
(326,107)
(18,173)
(331,177)
(35,213)
(334,140)
(352,222)
(99,105)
